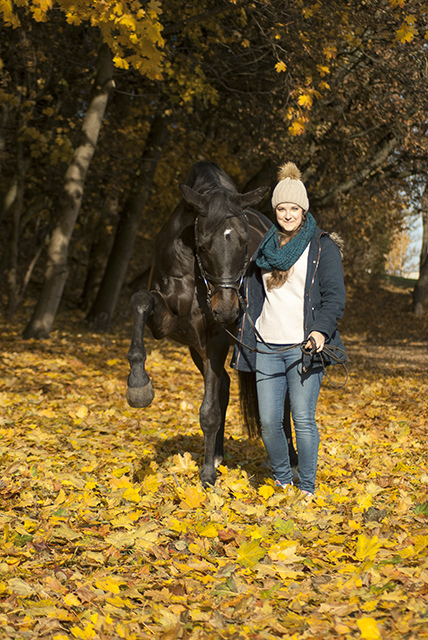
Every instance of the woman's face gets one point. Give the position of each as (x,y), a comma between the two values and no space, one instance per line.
(289,216)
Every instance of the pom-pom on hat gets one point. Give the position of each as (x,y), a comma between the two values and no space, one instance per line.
(290,188)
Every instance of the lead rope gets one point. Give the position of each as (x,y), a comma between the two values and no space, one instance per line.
(328,350)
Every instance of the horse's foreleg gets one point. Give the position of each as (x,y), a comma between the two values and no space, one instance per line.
(212,414)
(140,389)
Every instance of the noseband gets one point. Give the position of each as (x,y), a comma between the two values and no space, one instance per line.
(213,284)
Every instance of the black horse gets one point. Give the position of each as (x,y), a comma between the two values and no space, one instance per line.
(201,255)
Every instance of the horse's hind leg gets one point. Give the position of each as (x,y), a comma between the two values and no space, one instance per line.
(224,401)
(140,389)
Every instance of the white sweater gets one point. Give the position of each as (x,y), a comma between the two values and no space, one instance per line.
(281,319)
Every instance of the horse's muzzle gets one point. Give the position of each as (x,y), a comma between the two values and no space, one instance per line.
(225,306)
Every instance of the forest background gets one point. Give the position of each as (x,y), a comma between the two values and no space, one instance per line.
(105,106)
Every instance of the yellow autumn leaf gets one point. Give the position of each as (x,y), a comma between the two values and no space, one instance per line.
(280,66)
(249,553)
(145,538)
(126,520)
(20,587)
(207,530)
(120,62)
(192,498)
(71,600)
(66,533)
(369,629)
(179,526)
(297,128)
(132,494)
(408,30)
(323,69)
(48,413)
(84,634)
(285,552)
(109,584)
(121,539)
(421,542)
(184,463)
(305,100)
(82,412)
(367,548)
(266,491)
(365,501)
(330,52)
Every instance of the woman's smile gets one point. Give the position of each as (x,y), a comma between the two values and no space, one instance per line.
(289,216)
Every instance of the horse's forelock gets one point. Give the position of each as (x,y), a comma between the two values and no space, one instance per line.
(210,179)
(221,207)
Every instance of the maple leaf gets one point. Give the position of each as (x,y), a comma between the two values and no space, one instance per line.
(192,497)
(249,553)
(369,629)
(407,31)
(367,548)
(285,552)
(266,491)
(305,100)
(297,128)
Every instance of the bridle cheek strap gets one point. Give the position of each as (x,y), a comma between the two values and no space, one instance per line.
(213,284)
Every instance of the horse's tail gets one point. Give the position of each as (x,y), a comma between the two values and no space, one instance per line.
(248,403)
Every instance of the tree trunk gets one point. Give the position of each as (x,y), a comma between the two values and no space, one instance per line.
(102,242)
(12,278)
(56,271)
(420,293)
(102,310)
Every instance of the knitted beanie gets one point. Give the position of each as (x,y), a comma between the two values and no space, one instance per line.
(290,188)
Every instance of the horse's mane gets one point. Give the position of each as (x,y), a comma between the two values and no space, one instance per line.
(205,176)
(209,178)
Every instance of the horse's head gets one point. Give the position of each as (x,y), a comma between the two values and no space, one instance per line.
(221,244)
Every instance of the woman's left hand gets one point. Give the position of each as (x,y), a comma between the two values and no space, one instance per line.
(319,340)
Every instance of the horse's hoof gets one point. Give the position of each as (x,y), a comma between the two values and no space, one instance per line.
(207,479)
(140,396)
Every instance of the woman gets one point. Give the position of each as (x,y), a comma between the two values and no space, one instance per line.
(295,295)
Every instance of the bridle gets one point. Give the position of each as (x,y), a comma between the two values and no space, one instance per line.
(213,284)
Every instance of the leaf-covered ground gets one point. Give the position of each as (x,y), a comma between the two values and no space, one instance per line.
(107,533)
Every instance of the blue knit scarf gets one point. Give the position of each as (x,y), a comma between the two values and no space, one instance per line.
(271,256)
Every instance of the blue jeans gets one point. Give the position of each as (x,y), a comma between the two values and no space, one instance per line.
(275,373)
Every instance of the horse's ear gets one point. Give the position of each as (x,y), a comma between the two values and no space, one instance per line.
(252,198)
(198,201)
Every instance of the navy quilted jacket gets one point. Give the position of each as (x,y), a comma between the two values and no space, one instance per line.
(324,299)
